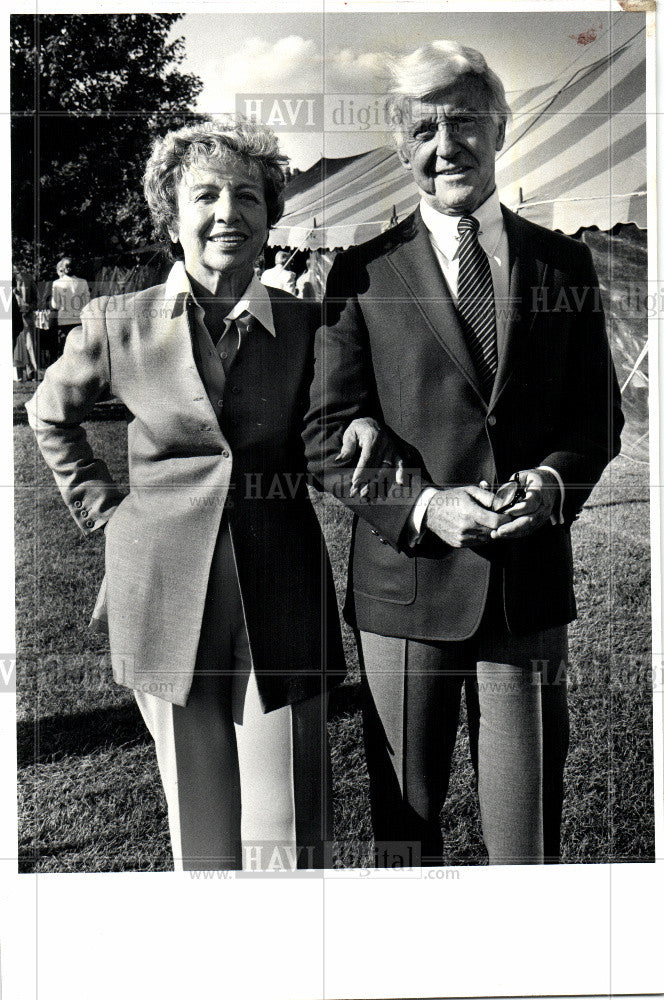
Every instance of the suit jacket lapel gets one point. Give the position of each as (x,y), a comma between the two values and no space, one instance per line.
(527,275)
(415,262)
(172,353)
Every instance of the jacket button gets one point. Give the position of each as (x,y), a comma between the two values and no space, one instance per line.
(89,524)
(78,503)
(84,513)
(220,403)
(225,454)
(236,389)
(491,420)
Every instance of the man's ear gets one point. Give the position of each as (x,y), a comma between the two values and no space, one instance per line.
(403,156)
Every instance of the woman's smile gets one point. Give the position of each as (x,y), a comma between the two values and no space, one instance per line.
(228,239)
(221,224)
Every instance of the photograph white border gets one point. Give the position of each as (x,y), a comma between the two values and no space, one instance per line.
(563,930)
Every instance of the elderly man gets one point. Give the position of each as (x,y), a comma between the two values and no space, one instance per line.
(478,340)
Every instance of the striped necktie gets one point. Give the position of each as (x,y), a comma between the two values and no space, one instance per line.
(476,304)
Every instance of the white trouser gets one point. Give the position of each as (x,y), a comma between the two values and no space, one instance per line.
(244,788)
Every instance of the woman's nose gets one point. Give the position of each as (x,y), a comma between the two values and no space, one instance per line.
(226,207)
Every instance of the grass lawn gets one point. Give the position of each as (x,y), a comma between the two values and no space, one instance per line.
(89,792)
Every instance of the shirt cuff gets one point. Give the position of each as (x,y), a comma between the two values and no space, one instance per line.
(414,524)
(557,513)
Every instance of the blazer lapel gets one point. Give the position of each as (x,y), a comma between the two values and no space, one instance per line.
(172,357)
(527,276)
(415,262)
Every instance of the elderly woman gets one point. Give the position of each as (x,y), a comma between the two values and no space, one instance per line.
(220,602)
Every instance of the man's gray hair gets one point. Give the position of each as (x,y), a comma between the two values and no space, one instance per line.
(422,74)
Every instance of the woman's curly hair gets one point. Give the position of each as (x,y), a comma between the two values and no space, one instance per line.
(218,139)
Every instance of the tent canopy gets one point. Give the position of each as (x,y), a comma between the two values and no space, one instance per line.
(575,157)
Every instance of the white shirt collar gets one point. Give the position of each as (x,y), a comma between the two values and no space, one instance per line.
(256,302)
(255,299)
(444,232)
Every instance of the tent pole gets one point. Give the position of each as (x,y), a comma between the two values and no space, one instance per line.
(637,364)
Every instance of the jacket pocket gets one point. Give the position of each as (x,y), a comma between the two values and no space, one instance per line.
(380,571)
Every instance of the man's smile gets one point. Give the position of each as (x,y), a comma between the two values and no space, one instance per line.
(453,171)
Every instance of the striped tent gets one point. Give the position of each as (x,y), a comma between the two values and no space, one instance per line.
(341,206)
(575,156)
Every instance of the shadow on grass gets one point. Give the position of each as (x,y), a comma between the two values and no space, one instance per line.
(57,737)
(33,861)
(346,699)
(60,736)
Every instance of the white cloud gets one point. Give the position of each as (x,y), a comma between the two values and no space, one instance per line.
(291,64)
(355,71)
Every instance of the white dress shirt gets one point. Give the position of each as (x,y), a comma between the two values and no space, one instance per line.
(255,303)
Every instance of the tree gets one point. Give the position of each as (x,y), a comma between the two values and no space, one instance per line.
(88,94)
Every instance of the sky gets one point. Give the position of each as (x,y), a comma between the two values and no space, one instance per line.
(344,54)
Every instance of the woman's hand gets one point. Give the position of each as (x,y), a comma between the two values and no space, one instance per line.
(377,451)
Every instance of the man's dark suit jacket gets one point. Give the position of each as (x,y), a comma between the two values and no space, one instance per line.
(392,348)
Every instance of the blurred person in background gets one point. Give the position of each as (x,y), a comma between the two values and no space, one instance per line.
(280,276)
(307,285)
(259,266)
(26,361)
(46,324)
(68,297)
